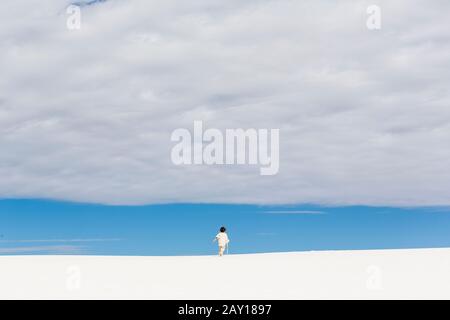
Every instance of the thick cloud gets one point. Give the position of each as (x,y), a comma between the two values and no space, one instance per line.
(364,116)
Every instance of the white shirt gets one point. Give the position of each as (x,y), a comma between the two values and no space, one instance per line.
(222,238)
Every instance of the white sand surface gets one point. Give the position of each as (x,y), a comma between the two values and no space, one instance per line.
(375,274)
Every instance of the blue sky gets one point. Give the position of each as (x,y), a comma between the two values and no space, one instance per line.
(51,227)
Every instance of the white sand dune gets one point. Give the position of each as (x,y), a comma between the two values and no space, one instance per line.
(377,274)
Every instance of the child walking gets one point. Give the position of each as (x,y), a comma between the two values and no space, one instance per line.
(222,239)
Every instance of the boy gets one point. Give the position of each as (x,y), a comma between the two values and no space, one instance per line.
(222,239)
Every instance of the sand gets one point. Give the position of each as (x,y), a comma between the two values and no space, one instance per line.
(373,274)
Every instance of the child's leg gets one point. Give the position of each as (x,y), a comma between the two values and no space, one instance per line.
(221,250)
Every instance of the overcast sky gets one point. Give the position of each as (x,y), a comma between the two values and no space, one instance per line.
(364,115)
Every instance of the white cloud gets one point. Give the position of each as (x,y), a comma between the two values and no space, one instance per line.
(364,116)
(57,240)
(42,249)
(295,212)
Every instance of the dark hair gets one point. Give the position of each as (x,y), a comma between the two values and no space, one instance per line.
(223,229)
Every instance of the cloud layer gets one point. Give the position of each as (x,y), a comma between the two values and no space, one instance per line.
(42,249)
(364,116)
